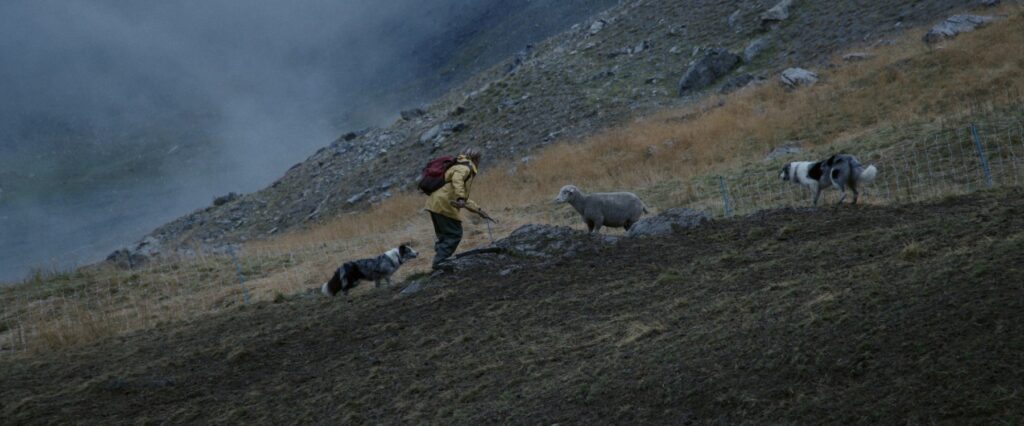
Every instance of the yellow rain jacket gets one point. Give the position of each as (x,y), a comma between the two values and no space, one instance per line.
(458,180)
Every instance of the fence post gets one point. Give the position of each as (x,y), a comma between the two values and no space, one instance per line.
(238,270)
(981,155)
(725,196)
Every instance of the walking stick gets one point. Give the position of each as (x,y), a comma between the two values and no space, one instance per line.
(487,218)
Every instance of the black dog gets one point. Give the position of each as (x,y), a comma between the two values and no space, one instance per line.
(375,269)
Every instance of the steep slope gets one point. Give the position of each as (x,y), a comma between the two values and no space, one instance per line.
(586,79)
(113,136)
(860,315)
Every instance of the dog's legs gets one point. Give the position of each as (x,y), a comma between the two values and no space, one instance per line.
(841,197)
(817,193)
(856,195)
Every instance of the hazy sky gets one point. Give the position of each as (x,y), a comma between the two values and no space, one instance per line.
(273,73)
(117,116)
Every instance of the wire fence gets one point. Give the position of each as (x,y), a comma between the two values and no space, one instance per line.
(949,162)
(982,153)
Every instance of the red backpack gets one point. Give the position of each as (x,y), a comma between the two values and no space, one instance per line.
(432,178)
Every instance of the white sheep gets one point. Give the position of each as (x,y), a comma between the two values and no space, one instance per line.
(612,209)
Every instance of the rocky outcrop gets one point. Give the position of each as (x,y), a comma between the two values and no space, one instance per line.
(125,259)
(783,150)
(430,134)
(754,48)
(534,244)
(545,241)
(955,25)
(705,71)
(412,114)
(224,199)
(778,13)
(857,56)
(668,222)
(738,82)
(796,77)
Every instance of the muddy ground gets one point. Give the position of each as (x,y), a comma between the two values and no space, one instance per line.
(861,315)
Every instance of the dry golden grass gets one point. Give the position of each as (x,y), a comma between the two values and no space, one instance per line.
(903,83)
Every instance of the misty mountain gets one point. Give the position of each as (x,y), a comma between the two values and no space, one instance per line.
(118,116)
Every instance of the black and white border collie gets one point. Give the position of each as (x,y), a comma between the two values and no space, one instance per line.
(374,269)
(838,171)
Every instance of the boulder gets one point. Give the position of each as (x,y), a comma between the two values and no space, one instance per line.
(431,134)
(640,47)
(668,222)
(453,127)
(738,82)
(415,287)
(857,56)
(775,15)
(224,199)
(754,48)
(357,197)
(790,148)
(705,71)
(125,259)
(597,26)
(546,241)
(796,77)
(734,19)
(148,247)
(955,25)
(412,114)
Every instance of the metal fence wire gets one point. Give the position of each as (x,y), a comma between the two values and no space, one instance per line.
(959,160)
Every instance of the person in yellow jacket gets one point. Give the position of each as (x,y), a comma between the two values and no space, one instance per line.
(445,203)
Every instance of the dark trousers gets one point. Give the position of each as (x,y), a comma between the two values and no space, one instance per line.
(449,235)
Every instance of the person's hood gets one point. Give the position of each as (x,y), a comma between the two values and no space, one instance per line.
(465,160)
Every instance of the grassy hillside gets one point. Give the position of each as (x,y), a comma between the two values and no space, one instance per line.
(884,313)
(884,109)
(568,88)
(871,315)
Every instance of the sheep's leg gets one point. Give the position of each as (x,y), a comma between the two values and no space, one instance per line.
(597,225)
(590,225)
(376,283)
(628,224)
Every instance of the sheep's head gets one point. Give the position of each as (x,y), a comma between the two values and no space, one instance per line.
(567,193)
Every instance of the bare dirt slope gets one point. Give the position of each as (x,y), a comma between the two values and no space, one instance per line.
(862,315)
